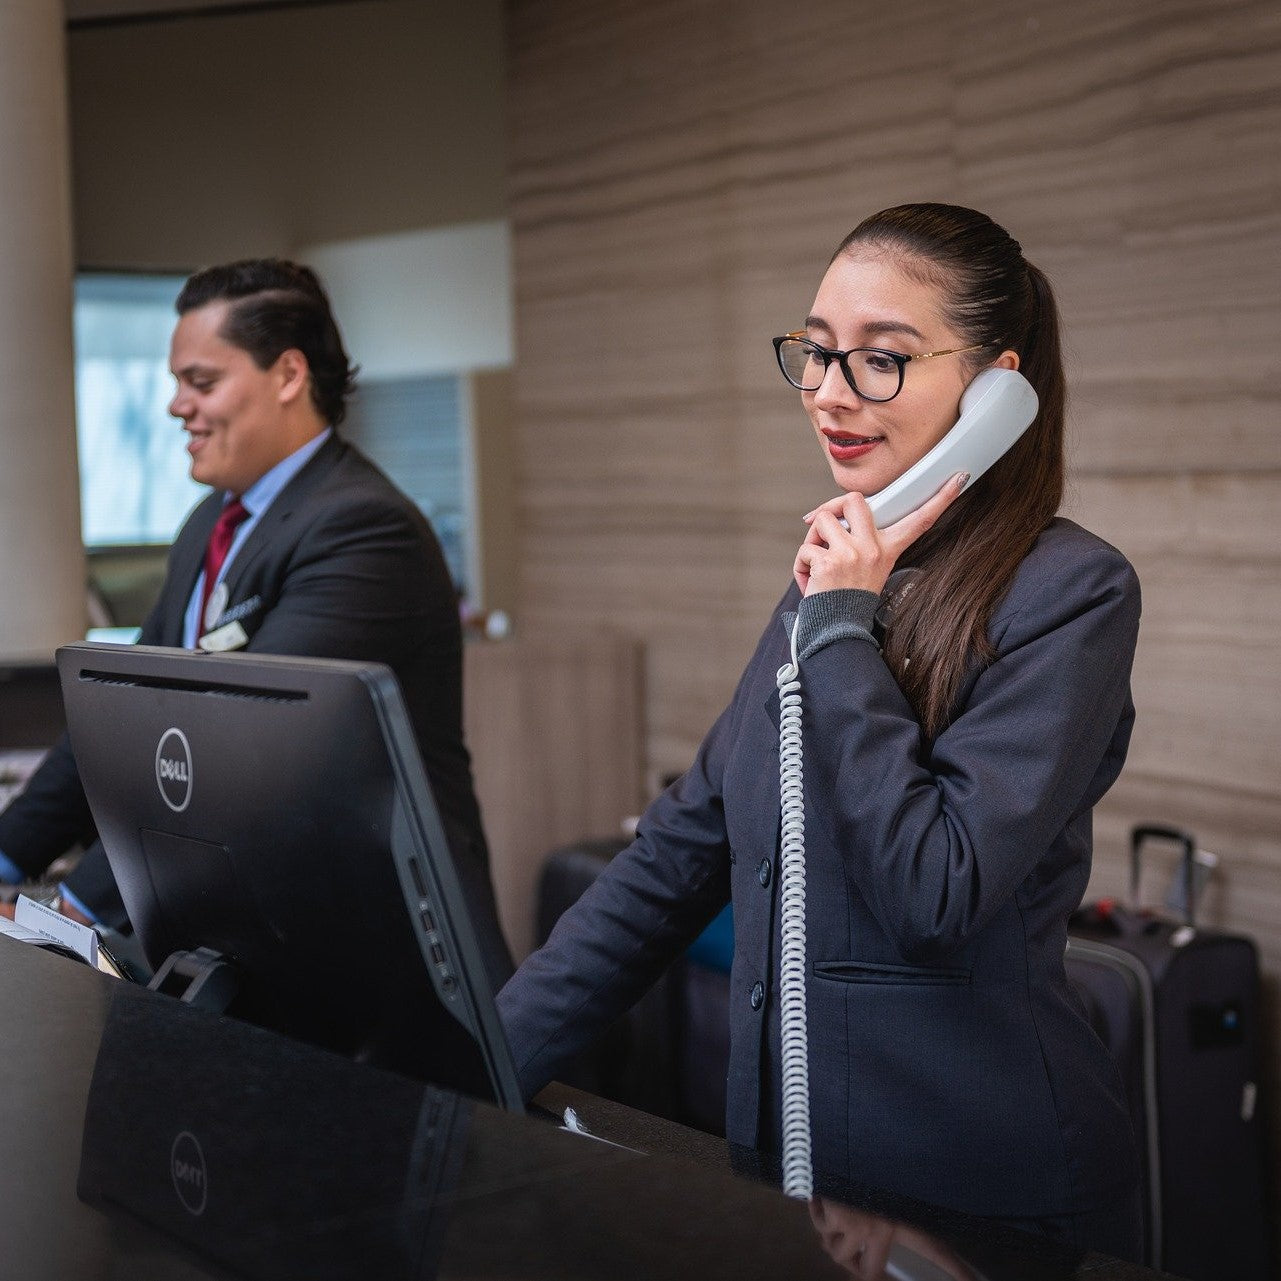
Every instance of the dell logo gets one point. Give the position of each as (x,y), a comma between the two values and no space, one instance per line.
(173,769)
(187,1168)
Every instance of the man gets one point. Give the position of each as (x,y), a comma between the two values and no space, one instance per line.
(304,547)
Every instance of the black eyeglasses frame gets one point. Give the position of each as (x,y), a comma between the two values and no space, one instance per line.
(829,354)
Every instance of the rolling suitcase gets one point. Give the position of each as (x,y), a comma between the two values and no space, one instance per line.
(1178,1006)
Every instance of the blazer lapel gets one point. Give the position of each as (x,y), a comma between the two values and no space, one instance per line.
(297,493)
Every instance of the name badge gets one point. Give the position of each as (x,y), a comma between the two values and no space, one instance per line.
(232,636)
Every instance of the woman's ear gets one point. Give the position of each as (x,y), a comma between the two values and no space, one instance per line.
(1006,360)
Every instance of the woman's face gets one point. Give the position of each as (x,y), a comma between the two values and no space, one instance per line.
(867,300)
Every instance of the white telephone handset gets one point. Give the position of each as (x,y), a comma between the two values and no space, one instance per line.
(996,409)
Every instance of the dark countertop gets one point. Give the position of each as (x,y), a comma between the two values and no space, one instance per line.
(143,1139)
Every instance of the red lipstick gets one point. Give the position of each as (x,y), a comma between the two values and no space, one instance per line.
(846,446)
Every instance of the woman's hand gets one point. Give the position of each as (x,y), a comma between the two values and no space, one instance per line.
(860,1242)
(860,555)
(857,1240)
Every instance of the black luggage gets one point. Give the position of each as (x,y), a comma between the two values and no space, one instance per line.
(1178,1006)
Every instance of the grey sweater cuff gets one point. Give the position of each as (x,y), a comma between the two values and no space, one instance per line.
(841,614)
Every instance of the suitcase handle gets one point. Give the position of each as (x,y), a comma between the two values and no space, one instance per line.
(1156,831)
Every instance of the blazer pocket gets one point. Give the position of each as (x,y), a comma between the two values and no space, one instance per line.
(876,972)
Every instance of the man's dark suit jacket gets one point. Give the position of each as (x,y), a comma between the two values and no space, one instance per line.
(948,1058)
(341,565)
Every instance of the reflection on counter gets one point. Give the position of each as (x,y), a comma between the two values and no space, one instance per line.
(156,1142)
(262,1162)
(269,1159)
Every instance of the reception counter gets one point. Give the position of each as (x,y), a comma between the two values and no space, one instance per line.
(143,1139)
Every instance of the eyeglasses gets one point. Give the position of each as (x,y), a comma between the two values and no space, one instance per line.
(879,372)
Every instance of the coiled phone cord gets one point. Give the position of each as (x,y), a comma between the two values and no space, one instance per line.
(798,1172)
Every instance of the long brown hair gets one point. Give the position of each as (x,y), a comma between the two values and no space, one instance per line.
(994,296)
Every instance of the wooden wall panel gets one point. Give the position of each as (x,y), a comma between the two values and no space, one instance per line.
(553,722)
(680,172)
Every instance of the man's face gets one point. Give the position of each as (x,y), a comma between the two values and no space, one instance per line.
(232,411)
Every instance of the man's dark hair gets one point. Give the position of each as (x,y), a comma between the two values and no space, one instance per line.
(278,305)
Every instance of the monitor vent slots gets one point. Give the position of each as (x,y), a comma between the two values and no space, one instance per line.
(219,690)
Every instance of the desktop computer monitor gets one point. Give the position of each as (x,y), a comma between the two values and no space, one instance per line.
(274,812)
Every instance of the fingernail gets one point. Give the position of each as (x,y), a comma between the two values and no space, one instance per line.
(809,516)
(962,480)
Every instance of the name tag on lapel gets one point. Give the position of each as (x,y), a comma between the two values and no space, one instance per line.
(227,633)
(221,639)
(236,613)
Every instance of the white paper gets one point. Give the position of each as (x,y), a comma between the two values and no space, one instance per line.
(81,939)
(12,930)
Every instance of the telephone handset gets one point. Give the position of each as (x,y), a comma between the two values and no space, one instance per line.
(996,409)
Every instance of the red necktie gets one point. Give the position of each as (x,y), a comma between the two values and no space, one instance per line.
(220,539)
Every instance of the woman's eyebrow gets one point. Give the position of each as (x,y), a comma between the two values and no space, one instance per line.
(893,327)
(871,327)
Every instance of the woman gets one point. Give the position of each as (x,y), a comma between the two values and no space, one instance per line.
(962,718)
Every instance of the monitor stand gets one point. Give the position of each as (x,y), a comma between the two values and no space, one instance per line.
(203,978)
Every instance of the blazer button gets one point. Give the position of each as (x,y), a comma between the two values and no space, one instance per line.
(763,872)
(758,995)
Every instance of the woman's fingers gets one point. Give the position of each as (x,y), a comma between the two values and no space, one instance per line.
(835,505)
(903,533)
(842,551)
(843,547)
(832,528)
(801,566)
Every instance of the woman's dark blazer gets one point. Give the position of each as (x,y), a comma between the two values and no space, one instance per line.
(948,1059)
